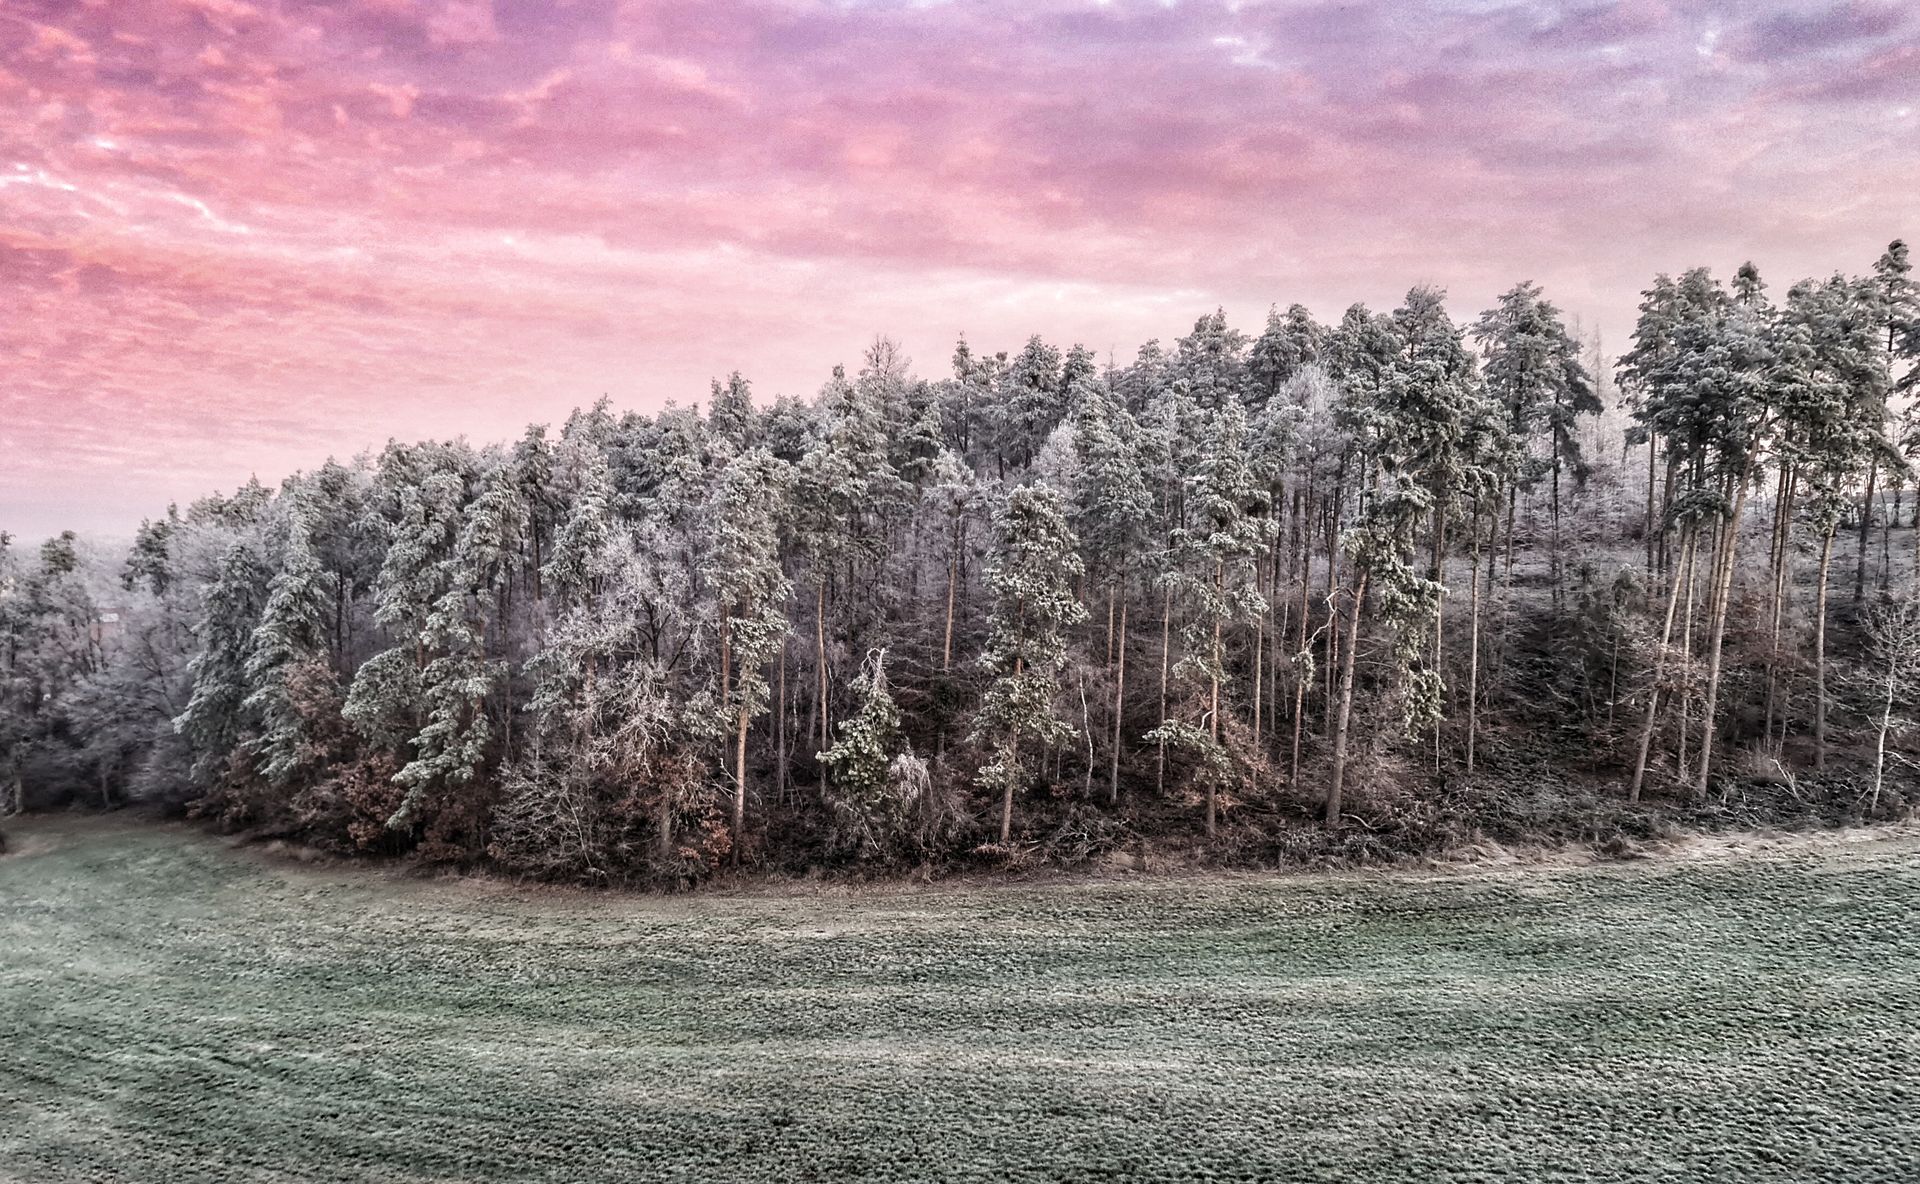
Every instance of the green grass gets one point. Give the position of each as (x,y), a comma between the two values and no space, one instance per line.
(171,1009)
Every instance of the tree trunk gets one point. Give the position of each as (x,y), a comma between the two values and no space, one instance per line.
(1866,528)
(1820,655)
(1782,537)
(1343,719)
(1555,511)
(946,644)
(1730,543)
(1259,673)
(780,727)
(1213,701)
(1013,764)
(1880,742)
(1690,574)
(1166,640)
(1119,705)
(1473,648)
(1111,596)
(1648,528)
(820,663)
(1439,620)
(740,785)
(1659,668)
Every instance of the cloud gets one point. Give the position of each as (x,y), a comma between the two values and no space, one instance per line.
(247,234)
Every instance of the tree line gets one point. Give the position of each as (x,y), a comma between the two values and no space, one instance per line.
(1255,592)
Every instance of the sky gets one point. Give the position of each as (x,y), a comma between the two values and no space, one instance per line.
(239,236)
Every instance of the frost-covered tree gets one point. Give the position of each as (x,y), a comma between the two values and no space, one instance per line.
(864,770)
(1534,373)
(1220,548)
(216,720)
(289,646)
(750,593)
(1031,581)
(1112,515)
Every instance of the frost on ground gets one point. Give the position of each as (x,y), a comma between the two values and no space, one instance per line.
(172,1009)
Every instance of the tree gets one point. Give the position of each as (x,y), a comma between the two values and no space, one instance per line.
(1112,507)
(1035,562)
(1893,633)
(1828,370)
(1219,550)
(750,594)
(289,645)
(1288,343)
(216,720)
(871,768)
(1533,371)
(1710,397)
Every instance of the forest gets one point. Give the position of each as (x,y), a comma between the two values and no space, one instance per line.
(1327,592)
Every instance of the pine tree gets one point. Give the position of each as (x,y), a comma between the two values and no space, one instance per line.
(1829,369)
(288,645)
(868,813)
(1112,510)
(1036,400)
(1710,397)
(216,720)
(452,746)
(1533,371)
(1288,343)
(1219,551)
(1031,579)
(750,593)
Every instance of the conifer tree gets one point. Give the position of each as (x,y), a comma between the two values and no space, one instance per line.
(750,593)
(1533,371)
(1112,508)
(1031,580)
(1219,550)
(288,645)
(216,720)
(860,766)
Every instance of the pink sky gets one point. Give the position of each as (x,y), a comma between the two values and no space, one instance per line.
(239,235)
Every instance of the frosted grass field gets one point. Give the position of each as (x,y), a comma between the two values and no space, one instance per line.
(172,1009)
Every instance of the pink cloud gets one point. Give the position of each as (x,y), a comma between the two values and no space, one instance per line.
(246,235)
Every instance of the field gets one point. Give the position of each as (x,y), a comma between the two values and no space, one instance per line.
(173,1009)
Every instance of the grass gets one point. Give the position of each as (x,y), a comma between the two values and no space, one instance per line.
(172,1009)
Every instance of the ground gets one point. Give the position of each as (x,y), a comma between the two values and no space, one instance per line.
(172,1008)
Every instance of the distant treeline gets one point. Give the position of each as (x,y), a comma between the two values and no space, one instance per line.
(1321,590)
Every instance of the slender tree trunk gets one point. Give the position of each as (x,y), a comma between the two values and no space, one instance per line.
(1166,667)
(1086,725)
(1555,511)
(1439,620)
(780,727)
(740,786)
(1498,659)
(1820,654)
(1112,595)
(1259,672)
(1652,444)
(946,643)
(1782,537)
(1213,702)
(1659,669)
(820,663)
(1866,533)
(1723,596)
(1880,742)
(1343,720)
(1333,633)
(1473,648)
(1886,532)
(1119,706)
(1013,764)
